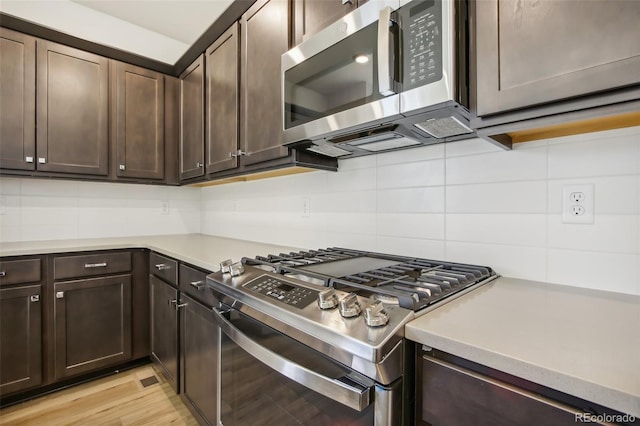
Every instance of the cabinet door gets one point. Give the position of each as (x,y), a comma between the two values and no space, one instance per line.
(20,338)
(311,16)
(192,120)
(516,70)
(92,324)
(265,37)
(199,356)
(72,110)
(17,101)
(138,110)
(448,394)
(223,89)
(164,329)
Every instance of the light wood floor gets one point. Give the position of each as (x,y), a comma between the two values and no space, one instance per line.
(115,400)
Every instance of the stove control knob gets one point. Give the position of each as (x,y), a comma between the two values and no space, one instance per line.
(236,269)
(375,315)
(327,299)
(349,306)
(224,266)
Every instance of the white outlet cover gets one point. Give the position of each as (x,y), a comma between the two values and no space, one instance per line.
(588,204)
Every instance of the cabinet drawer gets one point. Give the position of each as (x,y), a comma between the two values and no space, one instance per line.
(164,267)
(91,265)
(20,271)
(193,283)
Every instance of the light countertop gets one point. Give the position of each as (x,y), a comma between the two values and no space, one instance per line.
(582,342)
(199,250)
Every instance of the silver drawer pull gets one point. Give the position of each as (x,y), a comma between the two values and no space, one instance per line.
(35,298)
(95,265)
(60,295)
(3,274)
(162,267)
(173,302)
(181,305)
(197,284)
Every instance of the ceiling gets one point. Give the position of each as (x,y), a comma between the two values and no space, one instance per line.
(162,30)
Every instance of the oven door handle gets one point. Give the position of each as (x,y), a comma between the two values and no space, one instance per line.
(341,392)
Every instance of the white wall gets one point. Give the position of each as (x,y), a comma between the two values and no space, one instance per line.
(37,209)
(465,201)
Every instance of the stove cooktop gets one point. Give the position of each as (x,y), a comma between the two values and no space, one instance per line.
(412,283)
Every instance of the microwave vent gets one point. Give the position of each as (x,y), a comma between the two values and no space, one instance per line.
(443,127)
(328,150)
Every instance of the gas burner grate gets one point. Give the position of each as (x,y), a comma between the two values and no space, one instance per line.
(413,282)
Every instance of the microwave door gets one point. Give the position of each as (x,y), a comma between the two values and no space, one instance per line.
(332,82)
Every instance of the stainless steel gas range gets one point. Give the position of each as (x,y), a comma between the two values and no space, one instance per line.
(317,337)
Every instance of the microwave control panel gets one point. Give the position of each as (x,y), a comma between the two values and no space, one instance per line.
(421,23)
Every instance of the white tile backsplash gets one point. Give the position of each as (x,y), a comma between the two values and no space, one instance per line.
(42,209)
(509,197)
(466,201)
(503,166)
(517,229)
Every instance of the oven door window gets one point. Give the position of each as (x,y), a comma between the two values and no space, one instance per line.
(252,393)
(340,77)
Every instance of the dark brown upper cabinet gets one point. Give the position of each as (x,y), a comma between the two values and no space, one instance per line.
(192,120)
(311,16)
(17,100)
(265,37)
(223,91)
(535,52)
(137,127)
(72,110)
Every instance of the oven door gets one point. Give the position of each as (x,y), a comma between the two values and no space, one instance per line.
(267,378)
(343,77)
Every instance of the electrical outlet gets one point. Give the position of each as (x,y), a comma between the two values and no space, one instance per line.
(578,204)
(164,207)
(306,207)
(577,210)
(577,197)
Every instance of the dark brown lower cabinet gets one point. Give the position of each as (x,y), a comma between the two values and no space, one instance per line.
(452,395)
(199,359)
(164,328)
(92,324)
(20,338)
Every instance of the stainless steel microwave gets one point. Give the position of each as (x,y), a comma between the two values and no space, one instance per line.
(391,74)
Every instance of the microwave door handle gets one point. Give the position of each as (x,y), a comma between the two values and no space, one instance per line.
(385,83)
(339,391)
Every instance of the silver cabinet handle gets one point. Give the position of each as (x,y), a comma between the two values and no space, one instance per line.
(173,302)
(95,265)
(28,159)
(197,284)
(199,164)
(122,167)
(341,392)
(181,305)
(35,298)
(347,2)
(384,77)
(3,274)
(162,267)
(238,153)
(60,295)
(42,160)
